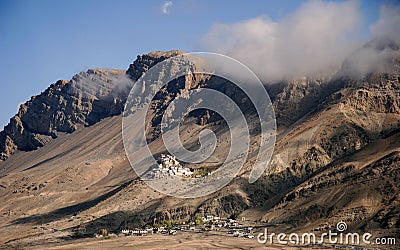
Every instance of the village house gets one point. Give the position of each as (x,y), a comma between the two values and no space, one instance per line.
(138,232)
(208,218)
(168,165)
(247,230)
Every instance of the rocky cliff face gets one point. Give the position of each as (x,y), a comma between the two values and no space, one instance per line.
(87,98)
(299,97)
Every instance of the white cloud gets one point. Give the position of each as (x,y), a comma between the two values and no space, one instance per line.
(165,7)
(379,53)
(388,24)
(313,39)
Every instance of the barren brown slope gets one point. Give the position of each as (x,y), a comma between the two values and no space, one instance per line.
(67,175)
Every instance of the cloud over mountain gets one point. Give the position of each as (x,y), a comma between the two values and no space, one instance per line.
(314,39)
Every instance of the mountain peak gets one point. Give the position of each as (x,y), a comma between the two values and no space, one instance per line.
(146,61)
(165,54)
(382,43)
(380,55)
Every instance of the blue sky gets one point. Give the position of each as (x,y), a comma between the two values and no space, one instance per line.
(43,41)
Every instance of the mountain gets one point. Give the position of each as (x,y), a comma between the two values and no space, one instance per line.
(60,108)
(87,98)
(64,171)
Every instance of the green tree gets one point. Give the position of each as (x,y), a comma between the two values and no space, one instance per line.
(234,215)
(169,225)
(104,232)
(198,221)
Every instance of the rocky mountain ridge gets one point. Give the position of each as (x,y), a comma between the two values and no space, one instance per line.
(93,95)
(85,99)
(61,108)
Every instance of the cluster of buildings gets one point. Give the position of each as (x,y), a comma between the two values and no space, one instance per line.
(207,223)
(169,165)
(149,230)
(234,227)
(242,232)
(138,232)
